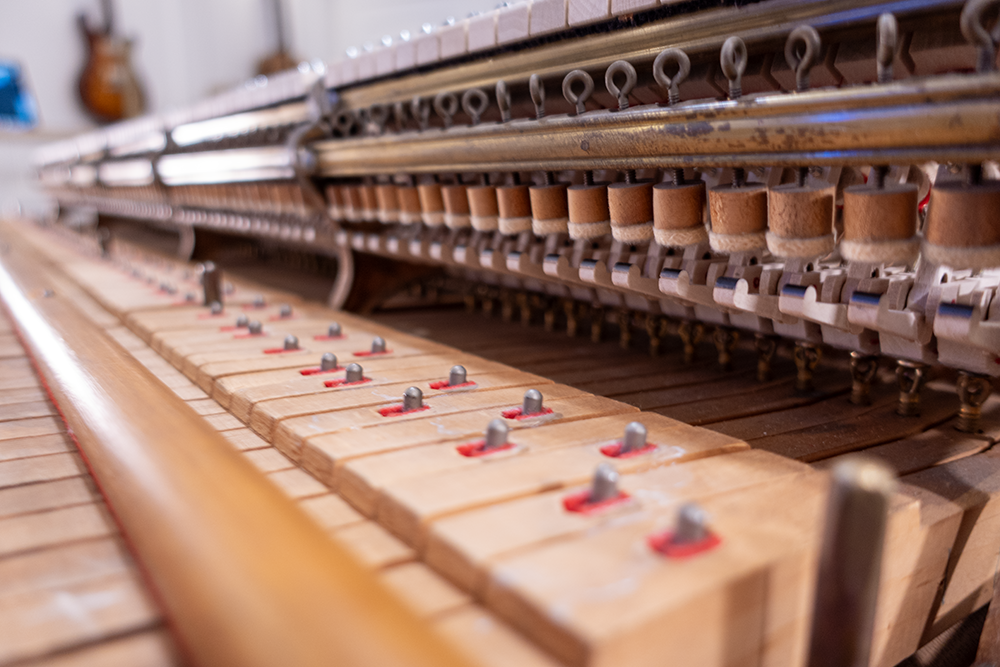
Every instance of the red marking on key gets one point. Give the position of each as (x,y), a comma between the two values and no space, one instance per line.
(581,504)
(614,450)
(478,448)
(515,413)
(365,353)
(443,384)
(324,337)
(249,335)
(396,410)
(279,318)
(344,383)
(319,371)
(281,350)
(664,543)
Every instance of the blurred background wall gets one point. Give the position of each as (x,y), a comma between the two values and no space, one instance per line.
(184,50)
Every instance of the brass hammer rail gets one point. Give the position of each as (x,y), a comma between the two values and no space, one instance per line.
(245,577)
(940,118)
(702,32)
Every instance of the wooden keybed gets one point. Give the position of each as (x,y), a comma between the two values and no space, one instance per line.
(456,535)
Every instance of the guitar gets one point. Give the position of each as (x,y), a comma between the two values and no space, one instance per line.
(109,88)
(281,59)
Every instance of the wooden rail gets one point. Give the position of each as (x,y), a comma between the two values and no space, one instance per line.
(244,576)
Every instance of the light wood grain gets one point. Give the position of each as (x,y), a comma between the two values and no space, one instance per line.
(325,455)
(150,448)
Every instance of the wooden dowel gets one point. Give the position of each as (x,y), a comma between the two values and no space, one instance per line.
(244,576)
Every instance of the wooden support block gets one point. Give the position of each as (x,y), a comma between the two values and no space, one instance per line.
(325,456)
(582,12)
(43,496)
(266,415)
(331,511)
(38,623)
(423,590)
(20,448)
(374,545)
(45,529)
(548,16)
(148,648)
(619,7)
(513,21)
(290,434)
(608,598)
(291,383)
(408,506)
(973,485)
(454,39)
(464,546)
(482,31)
(486,641)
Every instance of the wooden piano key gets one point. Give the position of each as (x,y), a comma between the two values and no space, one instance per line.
(464,546)
(22,395)
(297,484)
(290,434)
(45,496)
(20,448)
(608,598)
(27,410)
(247,390)
(27,532)
(423,590)
(373,545)
(362,480)
(486,641)
(206,406)
(148,648)
(330,511)
(266,415)
(36,623)
(191,366)
(408,506)
(27,428)
(325,455)
(244,439)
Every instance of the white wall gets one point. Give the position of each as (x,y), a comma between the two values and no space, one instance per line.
(187,49)
(184,50)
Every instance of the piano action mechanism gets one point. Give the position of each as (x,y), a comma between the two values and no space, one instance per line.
(809,189)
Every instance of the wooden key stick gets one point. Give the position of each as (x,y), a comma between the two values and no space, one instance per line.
(324,456)
(464,546)
(408,506)
(291,433)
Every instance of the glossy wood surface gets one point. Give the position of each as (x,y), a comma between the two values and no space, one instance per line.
(244,576)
